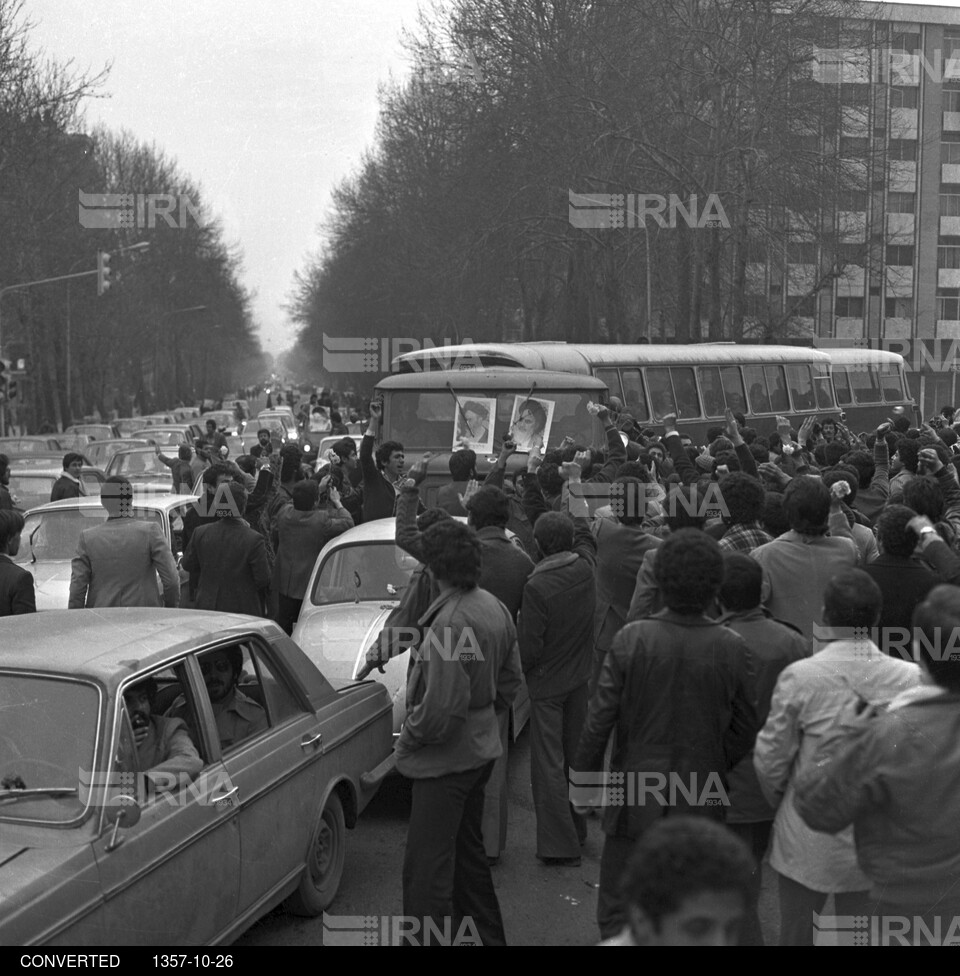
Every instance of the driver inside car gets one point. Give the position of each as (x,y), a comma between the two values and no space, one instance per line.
(163,744)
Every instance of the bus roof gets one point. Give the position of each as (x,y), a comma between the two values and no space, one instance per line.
(864,357)
(579,358)
(490,379)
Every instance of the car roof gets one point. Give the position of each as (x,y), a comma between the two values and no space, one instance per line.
(161,503)
(379,530)
(110,643)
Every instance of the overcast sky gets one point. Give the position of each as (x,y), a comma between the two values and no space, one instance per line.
(267,105)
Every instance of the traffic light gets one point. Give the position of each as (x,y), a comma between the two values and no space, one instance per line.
(12,388)
(4,379)
(103,271)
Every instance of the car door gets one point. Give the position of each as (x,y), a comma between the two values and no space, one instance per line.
(280,774)
(174,878)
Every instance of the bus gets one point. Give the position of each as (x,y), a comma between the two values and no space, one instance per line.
(697,382)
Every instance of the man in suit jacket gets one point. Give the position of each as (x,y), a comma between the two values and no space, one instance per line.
(117,561)
(230,557)
(16,584)
(69,485)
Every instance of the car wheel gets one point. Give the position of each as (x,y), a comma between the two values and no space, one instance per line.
(324,869)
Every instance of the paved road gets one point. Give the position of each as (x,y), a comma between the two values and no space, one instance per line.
(541,905)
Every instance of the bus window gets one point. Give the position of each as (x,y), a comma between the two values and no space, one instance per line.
(685,389)
(866,384)
(733,389)
(891,383)
(611,379)
(821,382)
(777,388)
(420,419)
(634,399)
(661,392)
(801,387)
(841,383)
(713,404)
(759,401)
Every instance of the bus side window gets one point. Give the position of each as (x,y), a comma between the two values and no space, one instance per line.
(611,379)
(685,388)
(821,382)
(732,384)
(661,392)
(841,385)
(892,383)
(777,388)
(759,401)
(801,387)
(713,404)
(866,384)
(634,399)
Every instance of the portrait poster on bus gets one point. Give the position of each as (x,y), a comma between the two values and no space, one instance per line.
(530,422)
(473,425)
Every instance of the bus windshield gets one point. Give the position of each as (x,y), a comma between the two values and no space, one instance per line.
(434,420)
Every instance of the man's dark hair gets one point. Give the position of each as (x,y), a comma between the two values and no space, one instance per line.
(749,435)
(548,474)
(683,508)
(806,503)
(305,494)
(70,457)
(851,599)
(760,453)
(714,432)
(924,496)
(553,533)
(344,448)
(234,657)
(211,423)
(909,452)
(184,452)
(488,507)
(949,437)
(463,464)
(730,459)
(116,496)
(11,524)
(935,622)
(216,470)
(265,430)
(742,582)
(901,424)
(247,463)
(864,464)
(4,464)
(742,498)
(741,423)
(147,686)
(385,450)
(773,517)
(678,858)
(230,500)
(892,531)
(832,453)
(430,517)
(947,412)
(451,551)
(844,472)
(688,568)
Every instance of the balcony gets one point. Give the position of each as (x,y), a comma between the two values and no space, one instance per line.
(950,173)
(900,228)
(856,171)
(897,328)
(801,278)
(950,226)
(850,284)
(951,121)
(899,281)
(849,328)
(902,176)
(852,226)
(948,329)
(854,121)
(948,277)
(903,123)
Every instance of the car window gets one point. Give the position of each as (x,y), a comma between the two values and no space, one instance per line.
(273,692)
(375,571)
(55,535)
(48,741)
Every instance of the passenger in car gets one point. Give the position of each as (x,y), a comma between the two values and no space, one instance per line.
(163,744)
(237,716)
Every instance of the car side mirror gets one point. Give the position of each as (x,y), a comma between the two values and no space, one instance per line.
(126,814)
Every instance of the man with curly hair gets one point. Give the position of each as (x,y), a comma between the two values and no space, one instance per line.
(679,689)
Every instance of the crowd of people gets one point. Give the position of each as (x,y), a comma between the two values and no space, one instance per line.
(734,651)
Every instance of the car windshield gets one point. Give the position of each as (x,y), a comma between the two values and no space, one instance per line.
(55,535)
(138,463)
(370,571)
(28,445)
(165,438)
(48,737)
(30,489)
(425,421)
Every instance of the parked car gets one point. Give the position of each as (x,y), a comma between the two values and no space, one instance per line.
(98,432)
(33,486)
(128,426)
(51,532)
(100,452)
(226,421)
(169,435)
(41,461)
(12,446)
(143,468)
(163,417)
(286,420)
(99,853)
(357,581)
(180,414)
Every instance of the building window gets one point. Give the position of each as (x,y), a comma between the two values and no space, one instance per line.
(898,308)
(854,94)
(900,255)
(951,101)
(851,254)
(948,309)
(854,201)
(800,253)
(849,308)
(901,203)
(950,204)
(904,97)
(948,256)
(902,149)
(950,153)
(854,147)
(951,48)
(904,41)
